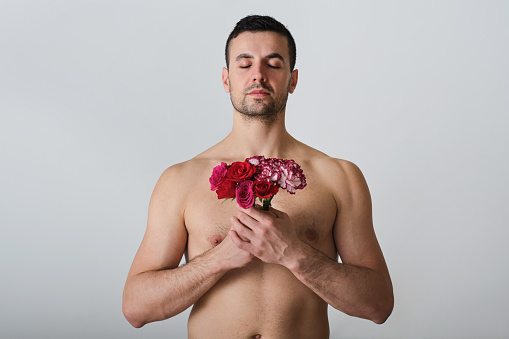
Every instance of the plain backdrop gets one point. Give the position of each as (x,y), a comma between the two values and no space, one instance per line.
(97,98)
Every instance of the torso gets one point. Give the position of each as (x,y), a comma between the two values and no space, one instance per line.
(260,300)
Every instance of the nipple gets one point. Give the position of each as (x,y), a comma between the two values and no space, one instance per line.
(216,239)
(310,234)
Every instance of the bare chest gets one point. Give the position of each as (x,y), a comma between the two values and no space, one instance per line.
(311,210)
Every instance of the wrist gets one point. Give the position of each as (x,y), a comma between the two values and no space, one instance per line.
(222,259)
(295,259)
(212,261)
(219,263)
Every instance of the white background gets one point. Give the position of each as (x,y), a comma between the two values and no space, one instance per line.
(97,98)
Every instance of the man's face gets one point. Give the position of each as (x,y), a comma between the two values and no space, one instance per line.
(259,77)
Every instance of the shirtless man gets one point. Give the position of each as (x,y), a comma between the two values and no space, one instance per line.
(254,273)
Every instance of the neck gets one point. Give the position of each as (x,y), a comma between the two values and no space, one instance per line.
(252,136)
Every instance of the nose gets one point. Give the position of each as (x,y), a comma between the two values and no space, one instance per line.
(258,74)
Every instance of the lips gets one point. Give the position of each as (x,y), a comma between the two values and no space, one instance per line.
(258,93)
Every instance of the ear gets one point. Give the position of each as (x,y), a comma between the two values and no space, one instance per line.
(293,80)
(226,81)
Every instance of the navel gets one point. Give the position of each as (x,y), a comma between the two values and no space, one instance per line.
(216,239)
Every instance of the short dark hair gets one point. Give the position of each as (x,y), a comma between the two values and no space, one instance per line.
(261,23)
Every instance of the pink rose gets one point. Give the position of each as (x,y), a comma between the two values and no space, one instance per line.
(245,196)
(227,189)
(240,171)
(218,176)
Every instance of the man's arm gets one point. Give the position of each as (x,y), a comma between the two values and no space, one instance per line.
(361,285)
(156,288)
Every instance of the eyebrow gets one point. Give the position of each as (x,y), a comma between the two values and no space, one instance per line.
(275,55)
(243,56)
(270,56)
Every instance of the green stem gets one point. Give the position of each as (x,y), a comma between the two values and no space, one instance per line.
(266,203)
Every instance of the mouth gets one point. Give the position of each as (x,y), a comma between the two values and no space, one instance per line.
(258,93)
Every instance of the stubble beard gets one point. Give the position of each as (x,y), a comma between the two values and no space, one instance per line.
(266,111)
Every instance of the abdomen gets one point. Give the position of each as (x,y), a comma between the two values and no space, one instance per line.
(264,299)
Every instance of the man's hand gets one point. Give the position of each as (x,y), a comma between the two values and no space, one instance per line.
(268,235)
(231,256)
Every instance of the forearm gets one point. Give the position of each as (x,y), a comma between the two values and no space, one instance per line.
(354,290)
(158,295)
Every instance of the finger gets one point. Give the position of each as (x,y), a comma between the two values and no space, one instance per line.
(244,232)
(255,212)
(277,213)
(246,219)
(259,214)
(251,211)
(238,241)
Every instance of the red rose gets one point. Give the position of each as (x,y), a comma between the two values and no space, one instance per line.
(227,189)
(264,189)
(240,171)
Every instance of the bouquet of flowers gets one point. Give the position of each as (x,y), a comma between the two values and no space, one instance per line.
(256,177)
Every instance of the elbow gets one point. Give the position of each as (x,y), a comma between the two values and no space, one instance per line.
(132,314)
(382,311)
(379,319)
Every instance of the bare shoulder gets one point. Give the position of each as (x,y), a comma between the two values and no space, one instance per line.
(181,175)
(333,168)
(339,173)
(344,178)
(343,170)
(171,182)
(179,181)
(177,172)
